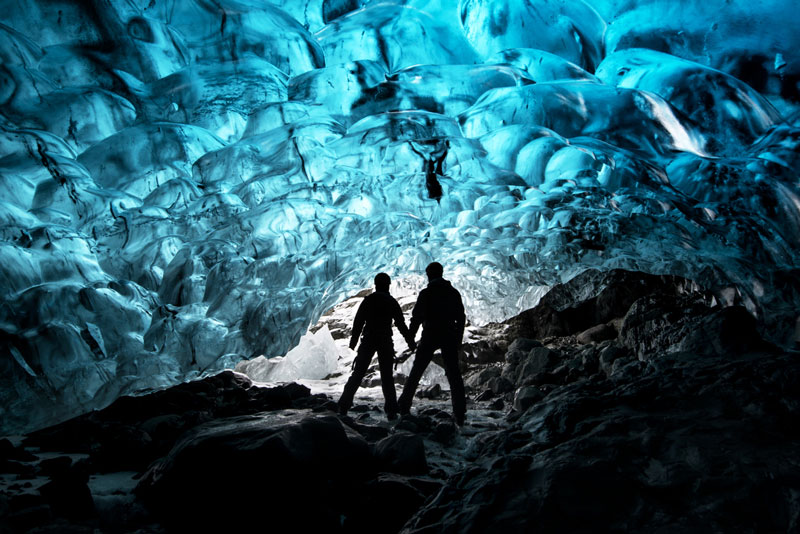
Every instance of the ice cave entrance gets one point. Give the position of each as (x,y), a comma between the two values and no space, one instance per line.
(322,359)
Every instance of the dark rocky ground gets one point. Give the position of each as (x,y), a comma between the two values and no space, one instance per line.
(622,402)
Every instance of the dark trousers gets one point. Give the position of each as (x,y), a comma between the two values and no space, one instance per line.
(366,350)
(423,357)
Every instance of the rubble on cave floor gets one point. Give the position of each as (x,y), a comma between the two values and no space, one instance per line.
(104,466)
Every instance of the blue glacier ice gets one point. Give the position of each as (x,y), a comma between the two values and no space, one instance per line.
(626,117)
(186,185)
(572,30)
(395,36)
(218,97)
(725,109)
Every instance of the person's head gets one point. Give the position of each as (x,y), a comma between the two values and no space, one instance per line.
(382,282)
(434,270)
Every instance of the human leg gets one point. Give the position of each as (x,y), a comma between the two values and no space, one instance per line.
(421,360)
(385,364)
(453,373)
(364,356)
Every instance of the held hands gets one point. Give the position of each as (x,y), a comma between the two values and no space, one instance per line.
(412,345)
(353,343)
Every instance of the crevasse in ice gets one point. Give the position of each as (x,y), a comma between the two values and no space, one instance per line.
(185,185)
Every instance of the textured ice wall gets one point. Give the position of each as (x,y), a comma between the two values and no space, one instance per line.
(184,184)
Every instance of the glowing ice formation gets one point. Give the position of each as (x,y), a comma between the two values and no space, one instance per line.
(572,30)
(187,184)
(314,358)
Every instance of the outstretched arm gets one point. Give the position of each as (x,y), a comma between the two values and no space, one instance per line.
(358,324)
(400,323)
(461,317)
(418,314)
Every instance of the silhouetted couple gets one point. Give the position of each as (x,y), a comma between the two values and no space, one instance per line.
(440,312)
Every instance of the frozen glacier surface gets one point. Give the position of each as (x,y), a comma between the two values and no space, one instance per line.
(187,186)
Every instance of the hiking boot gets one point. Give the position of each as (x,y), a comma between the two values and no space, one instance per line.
(459,418)
(391,416)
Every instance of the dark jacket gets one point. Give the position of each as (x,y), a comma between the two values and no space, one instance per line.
(440,312)
(375,316)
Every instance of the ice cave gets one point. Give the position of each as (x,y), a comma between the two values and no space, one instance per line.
(195,195)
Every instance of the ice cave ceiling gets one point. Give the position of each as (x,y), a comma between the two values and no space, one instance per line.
(186,183)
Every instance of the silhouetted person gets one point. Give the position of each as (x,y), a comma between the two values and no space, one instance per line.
(441,313)
(375,316)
